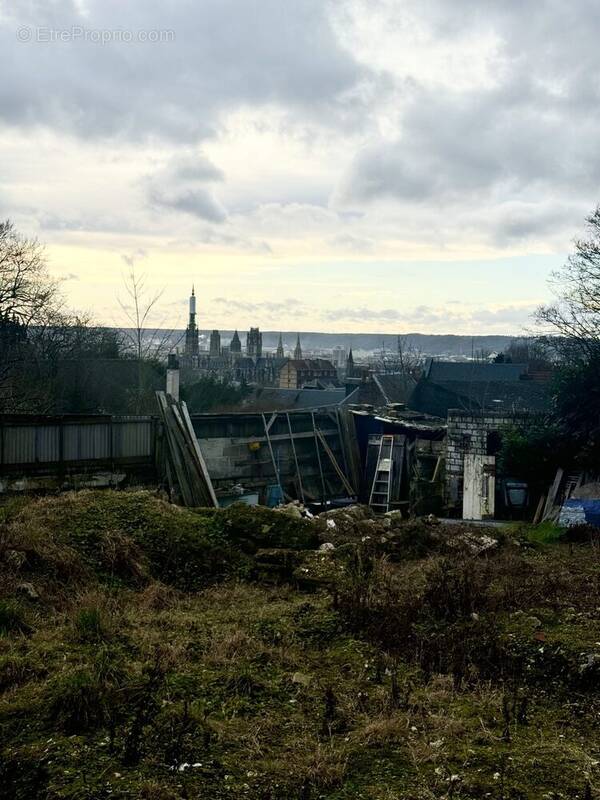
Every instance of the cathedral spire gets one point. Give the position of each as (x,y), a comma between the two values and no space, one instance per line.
(280,353)
(350,364)
(298,350)
(191,333)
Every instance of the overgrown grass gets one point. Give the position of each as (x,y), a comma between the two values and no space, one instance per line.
(417,671)
(543,533)
(12,619)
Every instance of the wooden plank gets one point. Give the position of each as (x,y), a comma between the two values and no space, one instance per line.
(281,437)
(553,492)
(336,466)
(271,421)
(198,453)
(298,474)
(193,488)
(436,471)
(174,455)
(323,492)
(264,419)
(350,445)
(342,448)
(540,507)
(198,485)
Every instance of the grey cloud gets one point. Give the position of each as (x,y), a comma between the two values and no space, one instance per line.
(193,167)
(357,244)
(100,223)
(520,222)
(198,202)
(288,307)
(503,318)
(180,186)
(530,136)
(225,54)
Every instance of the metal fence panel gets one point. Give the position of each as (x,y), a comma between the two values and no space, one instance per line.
(84,441)
(133,438)
(31,444)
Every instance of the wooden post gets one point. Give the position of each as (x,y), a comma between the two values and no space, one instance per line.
(295,457)
(312,416)
(180,472)
(271,452)
(539,509)
(336,466)
(198,453)
(552,494)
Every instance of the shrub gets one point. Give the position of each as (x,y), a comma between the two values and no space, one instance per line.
(78,702)
(15,670)
(93,618)
(179,733)
(12,619)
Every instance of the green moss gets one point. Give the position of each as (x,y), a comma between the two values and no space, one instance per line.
(543,533)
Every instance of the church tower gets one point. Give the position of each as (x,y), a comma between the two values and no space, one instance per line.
(235,346)
(254,343)
(215,344)
(280,353)
(350,365)
(298,350)
(191,333)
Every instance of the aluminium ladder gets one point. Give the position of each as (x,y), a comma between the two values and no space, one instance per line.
(381,489)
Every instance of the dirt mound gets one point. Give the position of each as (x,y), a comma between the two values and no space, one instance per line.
(135,537)
(400,537)
(346,525)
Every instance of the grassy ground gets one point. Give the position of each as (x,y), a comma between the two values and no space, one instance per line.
(440,673)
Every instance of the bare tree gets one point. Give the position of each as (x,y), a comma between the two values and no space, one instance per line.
(145,339)
(27,293)
(483,355)
(410,358)
(26,288)
(574,319)
(37,333)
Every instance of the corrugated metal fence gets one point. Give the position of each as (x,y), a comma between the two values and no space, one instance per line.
(56,440)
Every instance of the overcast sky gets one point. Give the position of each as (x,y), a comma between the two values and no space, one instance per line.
(394,166)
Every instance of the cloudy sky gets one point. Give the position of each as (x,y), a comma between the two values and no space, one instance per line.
(386,165)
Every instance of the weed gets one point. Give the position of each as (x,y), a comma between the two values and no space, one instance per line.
(12,620)
(16,670)
(78,702)
(91,623)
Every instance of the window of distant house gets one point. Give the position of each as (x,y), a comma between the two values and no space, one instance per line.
(494,443)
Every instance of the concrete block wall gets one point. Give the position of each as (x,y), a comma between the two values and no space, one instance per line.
(467,433)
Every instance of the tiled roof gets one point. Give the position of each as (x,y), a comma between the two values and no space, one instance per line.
(311,364)
(437,397)
(274,399)
(442,371)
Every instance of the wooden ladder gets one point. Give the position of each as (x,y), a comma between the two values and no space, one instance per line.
(379,499)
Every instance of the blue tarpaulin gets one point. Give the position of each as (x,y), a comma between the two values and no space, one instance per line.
(580,512)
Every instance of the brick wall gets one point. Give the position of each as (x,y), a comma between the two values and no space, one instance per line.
(467,433)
